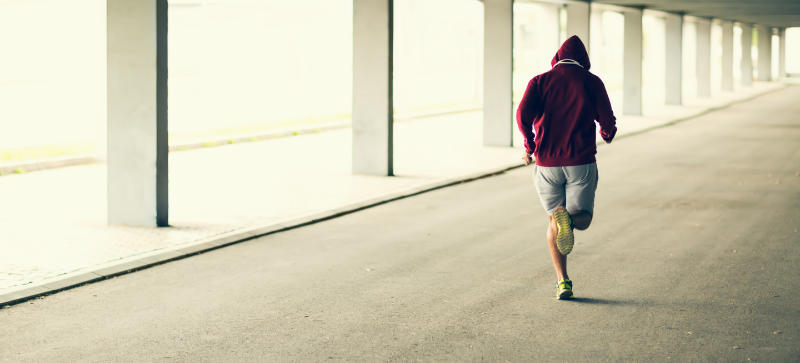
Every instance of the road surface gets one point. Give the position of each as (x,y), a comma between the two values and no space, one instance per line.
(693,256)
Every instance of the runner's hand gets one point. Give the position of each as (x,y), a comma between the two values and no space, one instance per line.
(527,159)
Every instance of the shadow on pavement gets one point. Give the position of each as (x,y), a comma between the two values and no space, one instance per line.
(591,300)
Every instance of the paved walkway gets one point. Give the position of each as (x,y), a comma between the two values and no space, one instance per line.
(54,226)
(693,256)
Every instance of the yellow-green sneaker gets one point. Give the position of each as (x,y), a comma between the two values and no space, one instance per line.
(564,239)
(564,289)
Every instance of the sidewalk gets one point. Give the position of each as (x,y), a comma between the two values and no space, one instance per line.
(53,222)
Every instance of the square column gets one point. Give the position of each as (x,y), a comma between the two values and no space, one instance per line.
(498,67)
(727,56)
(578,21)
(137,112)
(673,62)
(632,63)
(703,53)
(373,117)
(782,53)
(747,55)
(595,34)
(764,53)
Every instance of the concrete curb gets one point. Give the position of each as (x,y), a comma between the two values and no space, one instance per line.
(227,239)
(50,163)
(242,138)
(114,269)
(704,112)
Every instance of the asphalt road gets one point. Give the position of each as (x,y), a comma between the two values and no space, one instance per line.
(693,256)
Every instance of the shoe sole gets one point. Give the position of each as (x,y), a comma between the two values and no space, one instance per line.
(564,239)
(564,295)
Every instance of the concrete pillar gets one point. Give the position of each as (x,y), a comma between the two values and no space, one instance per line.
(372,87)
(764,53)
(703,60)
(498,67)
(782,53)
(578,21)
(747,55)
(632,63)
(727,56)
(137,112)
(673,64)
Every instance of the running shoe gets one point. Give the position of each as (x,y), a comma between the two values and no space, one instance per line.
(564,289)
(565,238)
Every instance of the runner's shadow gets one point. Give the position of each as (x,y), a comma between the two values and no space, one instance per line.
(591,300)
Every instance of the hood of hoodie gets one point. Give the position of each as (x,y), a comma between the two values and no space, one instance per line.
(572,49)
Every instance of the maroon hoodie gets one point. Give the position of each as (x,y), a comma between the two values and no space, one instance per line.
(557,113)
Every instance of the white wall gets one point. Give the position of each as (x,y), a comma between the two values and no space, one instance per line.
(776,53)
(793,50)
(536,41)
(52,72)
(716,58)
(239,63)
(606,52)
(737,55)
(438,54)
(653,62)
(689,60)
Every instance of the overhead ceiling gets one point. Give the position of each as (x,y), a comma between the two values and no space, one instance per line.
(775,13)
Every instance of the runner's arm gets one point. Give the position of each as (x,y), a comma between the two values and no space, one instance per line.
(525,115)
(603,112)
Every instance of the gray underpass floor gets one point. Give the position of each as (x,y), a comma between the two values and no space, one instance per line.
(693,255)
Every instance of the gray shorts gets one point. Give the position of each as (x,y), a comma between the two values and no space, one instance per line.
(570,186)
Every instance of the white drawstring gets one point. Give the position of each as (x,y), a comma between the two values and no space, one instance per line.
(568,61)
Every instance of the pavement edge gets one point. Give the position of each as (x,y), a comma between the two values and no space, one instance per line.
(226,239)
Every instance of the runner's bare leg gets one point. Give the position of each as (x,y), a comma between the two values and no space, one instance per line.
(559,260)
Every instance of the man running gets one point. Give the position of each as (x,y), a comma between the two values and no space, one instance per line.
(556,117)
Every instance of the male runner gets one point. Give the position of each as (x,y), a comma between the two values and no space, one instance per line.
(556,116)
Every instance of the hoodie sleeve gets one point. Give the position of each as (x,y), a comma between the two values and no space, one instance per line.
(525,115)
(603,113)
